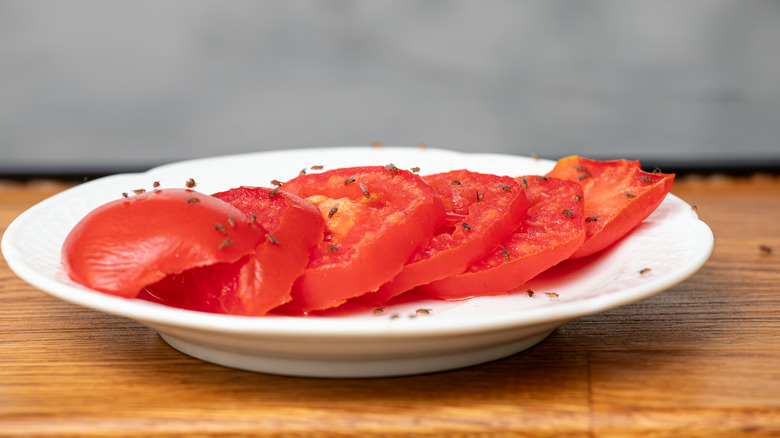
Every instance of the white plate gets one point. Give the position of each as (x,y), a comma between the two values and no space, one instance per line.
(672,243)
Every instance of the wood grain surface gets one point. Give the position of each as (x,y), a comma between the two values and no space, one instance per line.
(699,360)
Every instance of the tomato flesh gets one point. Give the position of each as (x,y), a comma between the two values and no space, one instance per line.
(388,214)
(482,210)
(551,231)
(210,288)
(617,196)
(127,244)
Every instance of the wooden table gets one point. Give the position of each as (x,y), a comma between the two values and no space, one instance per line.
(701,359)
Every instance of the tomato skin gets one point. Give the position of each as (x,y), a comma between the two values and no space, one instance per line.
(552,230)
(391,213)
(482,209)
(127,244)
(618,196)
(294,226)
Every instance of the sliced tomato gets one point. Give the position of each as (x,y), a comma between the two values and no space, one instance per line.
(482,210)
(127,244)
(618,196)
(294,227)
(375,218)
(551,231)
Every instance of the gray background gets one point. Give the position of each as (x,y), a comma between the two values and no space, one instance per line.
(95,85)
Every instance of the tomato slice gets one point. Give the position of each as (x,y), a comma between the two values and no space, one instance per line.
(294,227)
(375,218)
(551,231)
(618,196)
(127,244)
(482,210)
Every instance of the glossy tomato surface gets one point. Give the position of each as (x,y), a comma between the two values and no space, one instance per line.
(551,231)
(375,218)
(618,196)
(127,244)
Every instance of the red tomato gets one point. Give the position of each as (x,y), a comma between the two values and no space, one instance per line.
(127,244)
(552,230)
(375,218)
(482,210)
(618,196)
(294,226)
(260,281)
